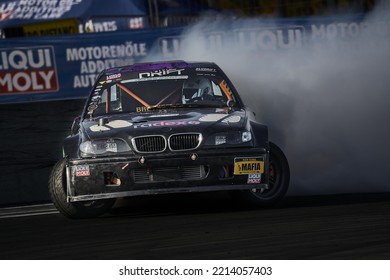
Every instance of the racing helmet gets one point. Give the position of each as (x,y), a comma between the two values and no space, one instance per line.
(196,88)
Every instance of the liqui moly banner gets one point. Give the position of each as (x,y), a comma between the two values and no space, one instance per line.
(28,70)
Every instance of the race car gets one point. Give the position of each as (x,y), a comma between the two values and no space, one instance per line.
(165,127)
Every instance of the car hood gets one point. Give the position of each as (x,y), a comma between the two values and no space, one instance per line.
(165,122)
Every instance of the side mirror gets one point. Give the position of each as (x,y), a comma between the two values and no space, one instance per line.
(75,126)
(230,103)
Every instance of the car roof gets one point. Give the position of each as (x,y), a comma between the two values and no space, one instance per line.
(159,65)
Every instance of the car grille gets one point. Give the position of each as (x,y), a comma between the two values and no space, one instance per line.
(166,174)
(158,143)
(150,144)
(182,142)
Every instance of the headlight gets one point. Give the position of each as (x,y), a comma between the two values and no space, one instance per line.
(101,147)
(229,138)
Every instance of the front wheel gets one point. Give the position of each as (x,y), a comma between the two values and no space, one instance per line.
(73,210)
(279,179)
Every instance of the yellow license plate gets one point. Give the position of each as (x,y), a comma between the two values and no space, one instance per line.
(243,166)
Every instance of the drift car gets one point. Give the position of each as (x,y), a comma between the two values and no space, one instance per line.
(167,127)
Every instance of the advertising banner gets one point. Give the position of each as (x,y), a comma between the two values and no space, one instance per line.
(23,12)
(48,68)
(65,67)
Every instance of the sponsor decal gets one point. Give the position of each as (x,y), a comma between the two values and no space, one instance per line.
(113,76)
(109,146)
(249,166)
(141,109)
(123,124)
(28,70)
(246,166)
(206,69)
(254,178)
(82,170)
(163,124)
(159,73)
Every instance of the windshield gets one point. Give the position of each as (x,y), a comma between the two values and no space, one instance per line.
(151,93)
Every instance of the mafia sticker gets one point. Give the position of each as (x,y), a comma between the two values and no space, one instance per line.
(246,166)
(28,70)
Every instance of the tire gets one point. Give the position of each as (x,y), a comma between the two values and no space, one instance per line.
(279,179)
(73,210)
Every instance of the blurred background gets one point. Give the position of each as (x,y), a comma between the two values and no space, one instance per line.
(22,18)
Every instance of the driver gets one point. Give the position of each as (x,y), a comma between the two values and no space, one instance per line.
(197,88)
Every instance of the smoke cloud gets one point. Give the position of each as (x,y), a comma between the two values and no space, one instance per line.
(326,103)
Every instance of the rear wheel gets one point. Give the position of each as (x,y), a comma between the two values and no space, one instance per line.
(73,210)
(279,179)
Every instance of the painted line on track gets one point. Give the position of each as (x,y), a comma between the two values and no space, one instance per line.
(27,211)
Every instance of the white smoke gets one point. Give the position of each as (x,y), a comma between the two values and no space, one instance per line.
(326,104)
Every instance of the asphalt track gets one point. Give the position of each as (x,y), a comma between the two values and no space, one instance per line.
(204,226)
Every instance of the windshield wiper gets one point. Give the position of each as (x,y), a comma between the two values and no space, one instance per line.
(164,106)
(204,104)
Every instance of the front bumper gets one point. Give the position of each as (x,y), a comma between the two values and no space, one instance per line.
(112,177)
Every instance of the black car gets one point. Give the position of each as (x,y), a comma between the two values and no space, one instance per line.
(165,127)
